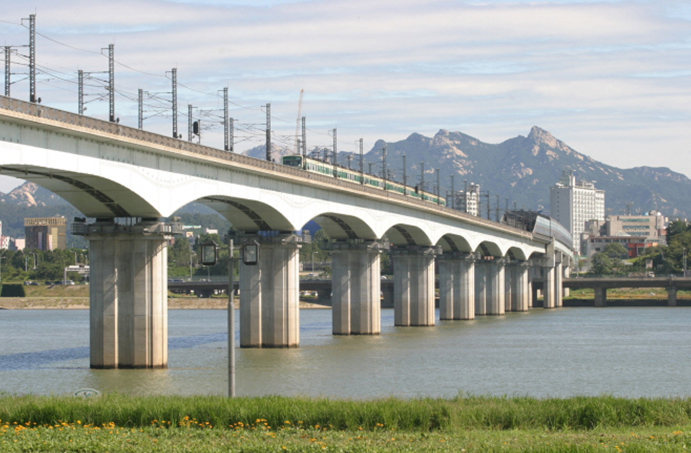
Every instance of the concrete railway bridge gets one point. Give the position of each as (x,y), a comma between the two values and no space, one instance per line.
(129,179)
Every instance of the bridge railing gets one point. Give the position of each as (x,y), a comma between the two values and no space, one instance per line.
(74,119)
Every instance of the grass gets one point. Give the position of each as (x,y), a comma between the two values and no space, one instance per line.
(628,293)
(205,423)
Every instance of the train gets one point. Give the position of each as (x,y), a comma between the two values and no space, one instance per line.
(339,172)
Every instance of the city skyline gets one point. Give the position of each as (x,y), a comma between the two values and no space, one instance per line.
(606,77)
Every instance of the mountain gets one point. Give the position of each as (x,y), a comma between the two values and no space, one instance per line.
(523,169)
(30,195)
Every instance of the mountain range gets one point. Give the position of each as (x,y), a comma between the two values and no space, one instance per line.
(521,169)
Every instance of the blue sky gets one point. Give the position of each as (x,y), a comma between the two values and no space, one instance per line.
(610,78)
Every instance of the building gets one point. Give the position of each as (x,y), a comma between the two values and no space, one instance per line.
(648,226)
(574,202)
(468,200)
(46,233)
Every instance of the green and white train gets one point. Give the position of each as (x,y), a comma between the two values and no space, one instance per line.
(327,169)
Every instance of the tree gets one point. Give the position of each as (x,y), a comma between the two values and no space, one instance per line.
(616,251)
(676,228)
(601,264)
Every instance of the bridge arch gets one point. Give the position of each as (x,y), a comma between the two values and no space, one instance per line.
(454,243)
(248,215)
(341,226)
(407,235)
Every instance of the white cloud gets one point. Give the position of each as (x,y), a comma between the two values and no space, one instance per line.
(612,76)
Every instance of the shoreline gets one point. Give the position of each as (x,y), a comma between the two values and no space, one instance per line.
(82,303)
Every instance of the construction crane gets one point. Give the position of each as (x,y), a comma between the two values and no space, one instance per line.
(297,124)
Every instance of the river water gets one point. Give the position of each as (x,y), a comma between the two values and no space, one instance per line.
(628,352)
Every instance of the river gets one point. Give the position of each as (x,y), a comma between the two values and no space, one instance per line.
(629,352)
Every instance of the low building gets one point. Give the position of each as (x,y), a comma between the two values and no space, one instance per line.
(468,200)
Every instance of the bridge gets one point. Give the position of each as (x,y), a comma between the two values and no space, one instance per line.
(671,284)
(128,179)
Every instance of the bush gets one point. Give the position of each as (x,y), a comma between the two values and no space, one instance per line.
(12,290)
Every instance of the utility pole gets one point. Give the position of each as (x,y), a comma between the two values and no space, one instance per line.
(80,91)
(32,58)
(8,51)
(304,136)
(438,187)
(111,80)
(190,133)
(383,158)
(268,132)
(405,175)
(335,156)
(370,167)
(362,163)
(422,180)
(489,209)
(140,98)
(453,190)
(226,126)
(496,211)
(174,79)
(350,161)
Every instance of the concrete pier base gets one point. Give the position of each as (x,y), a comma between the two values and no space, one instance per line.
(495,281)
(270,297)
(128,292)
(672,296)
(356,288)
(456,286)
(481,287)
(520,287)
(508,286)
(414,286)
(600,297)
(558,286)
(548,288)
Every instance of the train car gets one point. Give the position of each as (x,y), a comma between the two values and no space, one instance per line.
(327,169)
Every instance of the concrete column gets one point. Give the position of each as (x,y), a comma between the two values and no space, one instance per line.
(495,281)
(356,287)
(520,293)
(270,297)
(128,292)
(481,287)
(414,286)
(509,277)
(600,297)
(548,289)
(672,296)
(558,286)
(567,272)
(456,286)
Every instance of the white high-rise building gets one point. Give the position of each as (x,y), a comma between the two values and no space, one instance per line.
(469,200)
(573,203)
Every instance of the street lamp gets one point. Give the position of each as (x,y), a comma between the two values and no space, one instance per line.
(193,254)
(313,263)
(250,257)
(1,258)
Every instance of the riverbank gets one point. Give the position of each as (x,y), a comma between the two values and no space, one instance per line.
(472,424)
(82,303)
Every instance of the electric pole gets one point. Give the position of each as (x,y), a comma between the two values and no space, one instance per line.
(362,163)
(80,91)
(111,80)
(438,187)
(32,58)
(335,156)
(304,136)
(140,98)
(451,198)
(383,158)
(422,180)
(405,175)
(190,133)
(226,125)
(268,132)
(8,51)
(174,80)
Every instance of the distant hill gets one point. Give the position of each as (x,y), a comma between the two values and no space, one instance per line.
(523,169)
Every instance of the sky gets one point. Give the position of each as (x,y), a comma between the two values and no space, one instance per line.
(612,79)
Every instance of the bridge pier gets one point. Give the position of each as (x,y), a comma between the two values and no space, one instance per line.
(481,268)
(356,288)
(672,296)
(270,295)
(414,286)
(558,285)
(128,294)
(548,287)
(520,287)
(494,282)
(456,286)
(600,297)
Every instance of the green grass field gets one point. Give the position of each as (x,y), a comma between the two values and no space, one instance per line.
(118,423)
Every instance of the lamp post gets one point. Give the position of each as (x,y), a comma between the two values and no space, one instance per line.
(1,258)
(250,257)
(193,254)
(684,250)
(313,263)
